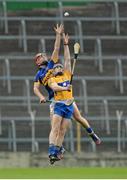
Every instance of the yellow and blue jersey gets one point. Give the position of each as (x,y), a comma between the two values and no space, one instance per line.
(62,80)
(43,75)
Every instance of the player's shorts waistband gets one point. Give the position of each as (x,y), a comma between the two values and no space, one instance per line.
(65,100)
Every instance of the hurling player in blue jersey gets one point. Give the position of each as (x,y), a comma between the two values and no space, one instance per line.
(45,72)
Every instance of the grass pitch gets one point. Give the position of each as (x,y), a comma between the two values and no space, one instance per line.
(64,173)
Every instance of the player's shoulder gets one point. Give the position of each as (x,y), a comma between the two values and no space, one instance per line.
(50,63)
(37,75)
(39,71)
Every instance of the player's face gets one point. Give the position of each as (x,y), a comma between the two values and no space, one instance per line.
(58,69)
(40,59)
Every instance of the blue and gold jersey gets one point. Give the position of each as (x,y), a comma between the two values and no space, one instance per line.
(62,80)
(43,76)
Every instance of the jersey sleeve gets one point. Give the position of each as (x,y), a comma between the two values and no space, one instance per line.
(68,74)
(37,79)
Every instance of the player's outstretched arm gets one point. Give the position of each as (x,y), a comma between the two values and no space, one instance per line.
(67,57)
(59,30)
(56,87)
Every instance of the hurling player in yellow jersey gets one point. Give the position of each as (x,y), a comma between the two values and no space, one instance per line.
(63,112)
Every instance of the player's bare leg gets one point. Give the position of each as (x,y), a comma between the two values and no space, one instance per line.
(65,124)
(85,124)
(52,136)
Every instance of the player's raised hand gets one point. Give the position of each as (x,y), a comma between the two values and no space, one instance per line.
(65,39)
(59,29)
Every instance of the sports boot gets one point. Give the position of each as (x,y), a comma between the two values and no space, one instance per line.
(95,138)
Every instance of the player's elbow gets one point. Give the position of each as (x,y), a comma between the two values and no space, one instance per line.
(34,90)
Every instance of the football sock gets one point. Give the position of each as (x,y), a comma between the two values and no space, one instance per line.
(53,150)
(89,130)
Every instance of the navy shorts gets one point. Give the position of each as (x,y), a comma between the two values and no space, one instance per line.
(63,110)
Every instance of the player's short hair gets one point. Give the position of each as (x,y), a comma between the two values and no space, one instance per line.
(38,55)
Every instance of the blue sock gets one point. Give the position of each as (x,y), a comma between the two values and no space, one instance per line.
(89,130)
(53,150)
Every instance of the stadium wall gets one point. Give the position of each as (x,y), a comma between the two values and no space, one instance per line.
(26,159)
